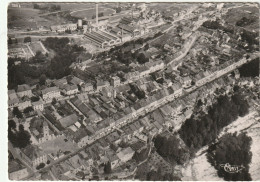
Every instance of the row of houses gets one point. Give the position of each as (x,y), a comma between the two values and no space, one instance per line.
(63,28)
(21,98)
(102,38)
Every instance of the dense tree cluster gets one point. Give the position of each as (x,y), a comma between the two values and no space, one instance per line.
(142,155)
(118,9)
(57,67)
(39,57)
(51,7)
(245,21)
(246,35)
(27,39)
(20,138)
(65,55)
(41,165)
(158,176)
(232,149)
(17,113)
(200,132)
(170,149)
(99,15)
(107,168)
(28,109)
(138,92)
(141,58)
(250,69)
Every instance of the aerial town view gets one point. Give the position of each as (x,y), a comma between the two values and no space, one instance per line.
(133,91)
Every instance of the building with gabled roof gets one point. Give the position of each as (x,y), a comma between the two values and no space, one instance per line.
(24,90)
(33,155)
(13,99)
(125,154)
(68,120)
(50,93)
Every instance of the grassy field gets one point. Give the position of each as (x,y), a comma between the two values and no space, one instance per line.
(232,16)
(90,12)
(21,17)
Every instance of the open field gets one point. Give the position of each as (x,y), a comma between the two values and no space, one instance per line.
(246,11)
(171,7)
(90,12)
(22,17)
(57,144)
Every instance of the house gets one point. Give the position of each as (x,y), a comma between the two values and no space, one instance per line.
(16,170)
(38,105)
(125,154)
(101,84)
(155,66)
(87,87)
(50,93)
(13,99)
(70,89)
(186,81)
(83,97)
(33,155)
(68,120)
(24,90)
(82,137)
(93,102)
(76,81)
(158,126)
(115,81)
(108,92)
(113,158)
(24,102)
(40,130)
(61,82)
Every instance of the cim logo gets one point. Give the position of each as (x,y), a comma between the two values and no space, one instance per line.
(232,168)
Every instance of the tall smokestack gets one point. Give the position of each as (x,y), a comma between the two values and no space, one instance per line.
(97,13)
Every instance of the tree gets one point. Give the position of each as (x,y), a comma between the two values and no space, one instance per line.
(68,31)
(142,59)
(118,9)
(42,79)
(20,138)
(17,112)
(11,124)
(27,39)
(28,110)
(35,98)
(36,6)
(54,101)
(107,168)
(146,47)
(10,41)
(41,165)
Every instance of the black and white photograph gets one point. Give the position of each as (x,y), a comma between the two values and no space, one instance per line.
(131,91)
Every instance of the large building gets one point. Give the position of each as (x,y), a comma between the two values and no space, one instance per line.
(33,155)
(24,90)
(50,93)
(102,39)
(63,28)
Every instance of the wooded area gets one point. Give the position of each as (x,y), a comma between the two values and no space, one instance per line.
(197,133)
(233,149)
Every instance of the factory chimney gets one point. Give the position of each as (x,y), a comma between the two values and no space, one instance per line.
(97,13)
